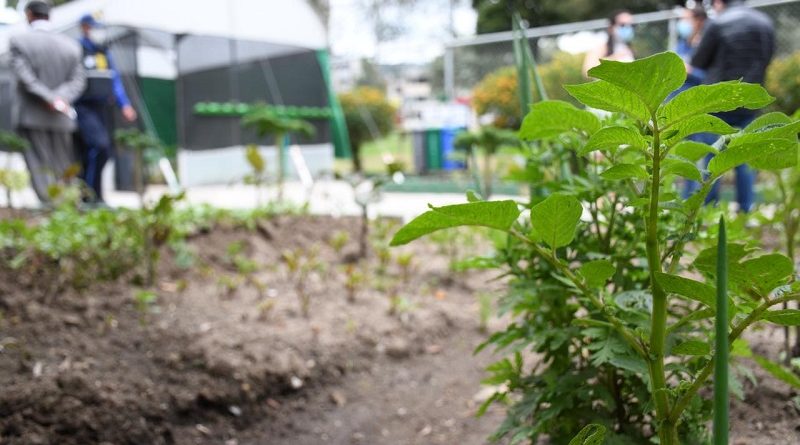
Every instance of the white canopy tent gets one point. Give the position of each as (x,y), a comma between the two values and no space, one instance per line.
(221,33)
(274,21)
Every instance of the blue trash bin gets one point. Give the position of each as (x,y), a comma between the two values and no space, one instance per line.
(447,145)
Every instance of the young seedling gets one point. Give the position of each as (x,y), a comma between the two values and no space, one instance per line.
(354,280)
(258,172)
(265,308)
(405,261)
(485,310)
(339,240)
(140,144)
(266,122)
(144,302)
(301,264)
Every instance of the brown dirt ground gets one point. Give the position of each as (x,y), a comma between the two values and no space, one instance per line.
(219,361)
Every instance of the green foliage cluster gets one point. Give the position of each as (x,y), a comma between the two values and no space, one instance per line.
(783,82)
(497,93)
(603,286)
(369,115)
(267,122)
(76,248)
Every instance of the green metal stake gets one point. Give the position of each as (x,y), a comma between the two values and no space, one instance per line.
(721,342)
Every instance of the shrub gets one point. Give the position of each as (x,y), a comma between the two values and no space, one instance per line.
(497,93)
(783,82)
(369,115)
(612,275)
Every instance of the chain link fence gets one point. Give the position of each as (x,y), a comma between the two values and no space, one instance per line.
(470,60)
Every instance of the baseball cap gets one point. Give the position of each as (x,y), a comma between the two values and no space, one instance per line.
(38,7)
(88,19)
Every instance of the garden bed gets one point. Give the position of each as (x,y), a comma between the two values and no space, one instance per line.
(222,357)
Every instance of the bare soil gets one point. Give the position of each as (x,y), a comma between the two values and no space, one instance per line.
(224,359)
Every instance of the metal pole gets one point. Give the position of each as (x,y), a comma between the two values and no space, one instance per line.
(449,73)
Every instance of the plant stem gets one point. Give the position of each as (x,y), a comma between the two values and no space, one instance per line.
(626,334)
(279,143)
(721,342)
(658,321)
(737,330)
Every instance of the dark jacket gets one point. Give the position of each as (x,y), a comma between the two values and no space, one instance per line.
(738,44)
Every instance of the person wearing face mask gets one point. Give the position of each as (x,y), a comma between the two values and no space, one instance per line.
(617,46)
(690,29)
(94,108)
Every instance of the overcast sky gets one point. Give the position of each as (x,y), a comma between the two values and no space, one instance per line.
(426,23)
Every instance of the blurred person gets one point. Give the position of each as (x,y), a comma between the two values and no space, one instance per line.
(47,67)
(95,106)
(690,30)
(738,44)
(620,34)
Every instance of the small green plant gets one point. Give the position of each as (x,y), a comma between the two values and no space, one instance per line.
(614,282)
(489,140)
(301,263)
(405,261)
(12,180)
(354,281)
(267,122)
(140,143)
(258,171)
(144,301)
(485,310)
(339,240)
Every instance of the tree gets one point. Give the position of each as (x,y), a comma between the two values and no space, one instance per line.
(494,15)
(369,115)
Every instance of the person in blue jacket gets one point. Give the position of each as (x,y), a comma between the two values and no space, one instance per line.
(94,107)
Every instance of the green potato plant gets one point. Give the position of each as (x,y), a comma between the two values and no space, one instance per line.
(599,264)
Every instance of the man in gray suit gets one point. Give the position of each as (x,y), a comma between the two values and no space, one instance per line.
(49,78)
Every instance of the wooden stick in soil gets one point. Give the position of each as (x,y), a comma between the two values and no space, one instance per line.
(721,342)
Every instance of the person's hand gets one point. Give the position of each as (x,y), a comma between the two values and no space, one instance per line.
(63,107)
(129,113)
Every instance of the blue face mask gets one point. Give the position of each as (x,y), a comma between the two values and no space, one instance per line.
(685,29)
(625,33)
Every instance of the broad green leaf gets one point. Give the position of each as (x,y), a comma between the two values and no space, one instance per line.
(473,196)
(785,317)
(704,123)
(767,272)
(691,150)
(778,371)
(688,288)
(703,99)
(597,272)
(555,117)
(555,219)
(606,96)
(681,168)
(593,434)
(744,153)
(777,131)
(766,121)
(740,348)
(611,138)
(494,214)
(692,347)
(624,171)
(652,79)
(785,158)
(706,260)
